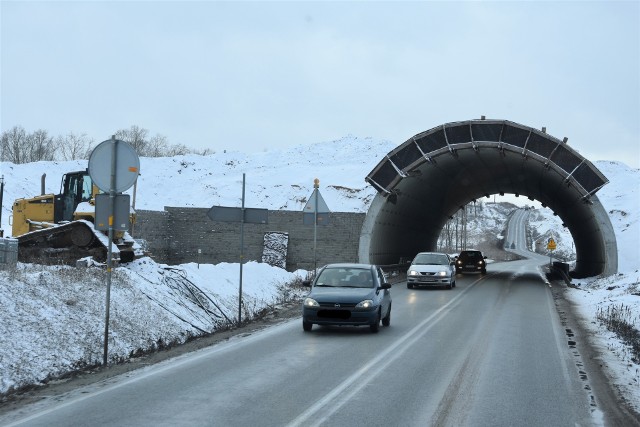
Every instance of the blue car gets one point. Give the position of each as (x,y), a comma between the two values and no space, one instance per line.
(348,294)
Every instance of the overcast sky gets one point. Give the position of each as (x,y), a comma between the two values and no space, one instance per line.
(252,76)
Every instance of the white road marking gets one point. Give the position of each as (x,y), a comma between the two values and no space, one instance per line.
(338,398)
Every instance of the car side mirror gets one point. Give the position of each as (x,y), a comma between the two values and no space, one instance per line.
(306,283)
(484,257)
(384,286)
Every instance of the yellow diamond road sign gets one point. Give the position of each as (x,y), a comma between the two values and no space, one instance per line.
(551,245)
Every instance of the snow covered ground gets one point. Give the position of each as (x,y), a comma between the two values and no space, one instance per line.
(621,199)
(52,320)
(53,317)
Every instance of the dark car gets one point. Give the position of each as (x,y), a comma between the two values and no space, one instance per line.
(348,294)
(431,269)
(471,260)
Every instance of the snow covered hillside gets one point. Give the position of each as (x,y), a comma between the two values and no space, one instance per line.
(274,179)
(52,317)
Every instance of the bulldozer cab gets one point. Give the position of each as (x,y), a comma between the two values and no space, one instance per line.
(76,187)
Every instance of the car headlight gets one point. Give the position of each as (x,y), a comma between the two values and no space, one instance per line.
(413,273)
(310,302)
(441,273)
(365,304)
(459,262)
(480,262)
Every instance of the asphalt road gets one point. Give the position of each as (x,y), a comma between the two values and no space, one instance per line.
(490,352)
(494,351)
(515,240)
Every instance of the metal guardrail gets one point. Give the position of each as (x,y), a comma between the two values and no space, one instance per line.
(396,272)
(562,270)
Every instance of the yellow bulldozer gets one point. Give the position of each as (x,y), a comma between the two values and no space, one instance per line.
(59,228)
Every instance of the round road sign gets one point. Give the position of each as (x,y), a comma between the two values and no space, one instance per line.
(127,165)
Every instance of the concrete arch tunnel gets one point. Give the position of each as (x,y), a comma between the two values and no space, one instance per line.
(428,178)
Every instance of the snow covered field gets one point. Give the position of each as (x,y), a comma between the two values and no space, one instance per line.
(53,317)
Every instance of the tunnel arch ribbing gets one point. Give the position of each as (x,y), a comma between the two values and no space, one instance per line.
(433,174)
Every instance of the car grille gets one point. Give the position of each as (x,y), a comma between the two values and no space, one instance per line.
(340,305)
(427,277)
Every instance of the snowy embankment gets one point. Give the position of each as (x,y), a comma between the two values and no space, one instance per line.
(52,321)
(597,296)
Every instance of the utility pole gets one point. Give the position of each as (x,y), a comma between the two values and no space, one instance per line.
(1,195)
(463,229)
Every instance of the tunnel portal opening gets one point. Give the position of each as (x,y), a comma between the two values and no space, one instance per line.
(427,179)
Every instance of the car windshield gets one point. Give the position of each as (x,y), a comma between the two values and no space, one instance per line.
(471,254)
(345,278)
(430,259)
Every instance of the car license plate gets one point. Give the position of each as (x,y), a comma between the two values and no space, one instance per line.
(469,265)
(335,314)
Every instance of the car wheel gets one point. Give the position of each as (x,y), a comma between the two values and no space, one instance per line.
(307,326)
(450,285)
(453,283)
(375,327)
(386,320)
(484,271)
(409,286)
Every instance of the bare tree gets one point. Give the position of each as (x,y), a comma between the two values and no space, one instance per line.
(20,147)
(177,150)
(157,146)
(73,146)
(41,147)
(204,152)
(13,143)
(136,137)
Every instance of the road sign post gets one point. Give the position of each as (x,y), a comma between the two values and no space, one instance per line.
(315,210)
(551,246)
(114,167)
(241,215)
(1,194)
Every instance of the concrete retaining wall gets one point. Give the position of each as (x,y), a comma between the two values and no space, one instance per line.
(174,236)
